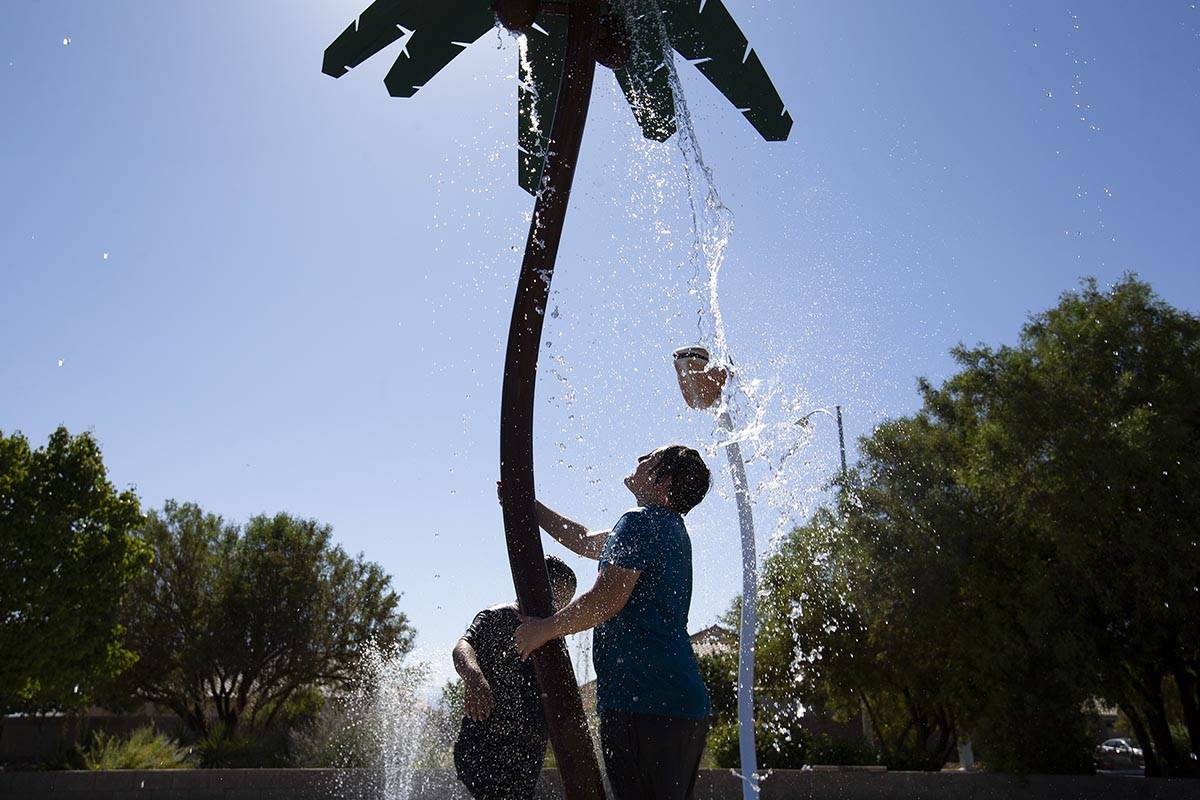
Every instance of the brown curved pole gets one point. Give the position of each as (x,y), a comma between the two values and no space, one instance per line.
(560,692)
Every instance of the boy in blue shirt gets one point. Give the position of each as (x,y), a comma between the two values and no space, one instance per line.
(653,705)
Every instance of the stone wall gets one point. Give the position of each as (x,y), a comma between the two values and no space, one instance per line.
(32,740)
(315,784)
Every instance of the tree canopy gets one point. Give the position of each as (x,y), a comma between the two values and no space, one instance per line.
(1024,544)
(67,551)
(1083,440)
(231,621)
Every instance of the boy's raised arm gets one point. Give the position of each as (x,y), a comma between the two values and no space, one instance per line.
(571,534)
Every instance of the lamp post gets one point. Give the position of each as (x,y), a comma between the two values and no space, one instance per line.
(864,718)
(841,433)
(702,385)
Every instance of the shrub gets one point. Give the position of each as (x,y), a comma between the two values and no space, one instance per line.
(219,749)
(145,748)
(785,747)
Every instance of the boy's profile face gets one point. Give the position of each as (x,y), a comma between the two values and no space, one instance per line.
(641,481)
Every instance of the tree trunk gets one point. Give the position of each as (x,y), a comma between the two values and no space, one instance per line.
(560,692)
(1149,757)
(885,751)
(1186,680)
(1160,730)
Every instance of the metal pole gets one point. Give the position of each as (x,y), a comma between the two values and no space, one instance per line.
(841,439)
(560,691)
(868,736)
(745,695)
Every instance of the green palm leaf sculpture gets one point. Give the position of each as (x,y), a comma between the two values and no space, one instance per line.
(705,34)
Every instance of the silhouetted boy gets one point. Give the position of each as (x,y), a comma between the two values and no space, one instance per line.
(502,742)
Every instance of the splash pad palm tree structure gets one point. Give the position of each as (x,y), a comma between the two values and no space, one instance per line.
(562,42)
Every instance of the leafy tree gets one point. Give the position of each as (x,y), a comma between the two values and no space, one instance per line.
(1024,543)
(1083,439)
(67,553)
(783,716)
(969,600)
(232,622)
(836,630)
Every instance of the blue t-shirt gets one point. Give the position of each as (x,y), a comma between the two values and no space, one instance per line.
(643,655)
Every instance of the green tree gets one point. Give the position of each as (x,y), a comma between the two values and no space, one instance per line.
(1083,438)
(1023,544)
(838,629)
(959,597)
(67,553)
(784,711)
(231,622)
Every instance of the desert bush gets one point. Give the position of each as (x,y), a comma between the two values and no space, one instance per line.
(145,748)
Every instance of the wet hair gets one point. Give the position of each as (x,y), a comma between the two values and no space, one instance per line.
(689,476)
(560,574)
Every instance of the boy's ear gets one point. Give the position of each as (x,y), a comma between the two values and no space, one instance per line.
(665,482)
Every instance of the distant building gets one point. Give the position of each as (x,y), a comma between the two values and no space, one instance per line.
(713,640)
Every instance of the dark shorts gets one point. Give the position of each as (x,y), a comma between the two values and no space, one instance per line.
(500,770)
(649,757)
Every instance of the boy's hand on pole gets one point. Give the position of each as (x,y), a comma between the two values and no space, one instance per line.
(532,633)
(478,701)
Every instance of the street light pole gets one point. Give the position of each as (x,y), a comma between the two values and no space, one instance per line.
(841,440)
(864,717)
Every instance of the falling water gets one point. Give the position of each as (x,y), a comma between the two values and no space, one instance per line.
(712,221)
(764,412)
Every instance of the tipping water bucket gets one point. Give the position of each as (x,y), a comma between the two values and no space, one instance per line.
(700,382)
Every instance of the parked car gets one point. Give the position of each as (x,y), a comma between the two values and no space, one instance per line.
(1119,754)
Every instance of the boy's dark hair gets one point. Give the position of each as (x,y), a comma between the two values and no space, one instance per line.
(689,476)
(559,572)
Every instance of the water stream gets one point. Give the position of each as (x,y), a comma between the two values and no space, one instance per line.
(762,409)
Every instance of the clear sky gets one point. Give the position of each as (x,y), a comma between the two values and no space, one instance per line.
(263,289)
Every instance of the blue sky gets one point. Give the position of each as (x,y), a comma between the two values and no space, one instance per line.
(307,283)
